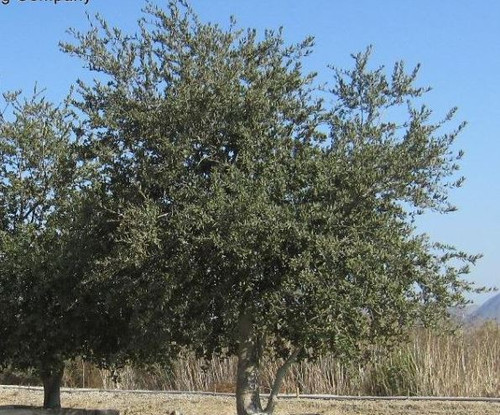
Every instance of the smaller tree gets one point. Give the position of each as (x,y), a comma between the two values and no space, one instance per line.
(55,301)
(41,291)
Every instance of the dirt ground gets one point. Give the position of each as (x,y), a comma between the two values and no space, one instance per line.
(164,404)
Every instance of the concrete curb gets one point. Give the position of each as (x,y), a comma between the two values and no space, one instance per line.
(305,396)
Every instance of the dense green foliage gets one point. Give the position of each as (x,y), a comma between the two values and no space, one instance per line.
(235,207)
(212,145)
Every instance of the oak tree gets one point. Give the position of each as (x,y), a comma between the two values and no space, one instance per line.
(266,213)
(39,320)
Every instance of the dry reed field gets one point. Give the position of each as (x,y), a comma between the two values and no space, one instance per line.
(466,363)
(163,404)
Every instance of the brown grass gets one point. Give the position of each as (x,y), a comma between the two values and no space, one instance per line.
(466,363)
(463,364)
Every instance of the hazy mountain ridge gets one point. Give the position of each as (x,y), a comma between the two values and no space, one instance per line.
(489,310)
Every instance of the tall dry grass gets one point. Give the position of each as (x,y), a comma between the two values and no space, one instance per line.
(463,364)
(466,363)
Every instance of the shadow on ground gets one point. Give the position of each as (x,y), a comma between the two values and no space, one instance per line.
(34,410)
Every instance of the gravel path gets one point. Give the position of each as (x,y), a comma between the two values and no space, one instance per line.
(164,404)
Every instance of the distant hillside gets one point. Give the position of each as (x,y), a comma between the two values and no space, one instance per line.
(490,310)
(462,314)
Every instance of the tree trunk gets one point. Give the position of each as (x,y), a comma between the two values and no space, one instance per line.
(51,378)
(280,375)
(247,379)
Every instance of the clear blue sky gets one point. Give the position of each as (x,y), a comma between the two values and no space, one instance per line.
(456,41)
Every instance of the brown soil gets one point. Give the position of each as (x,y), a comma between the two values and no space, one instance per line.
(164,404)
